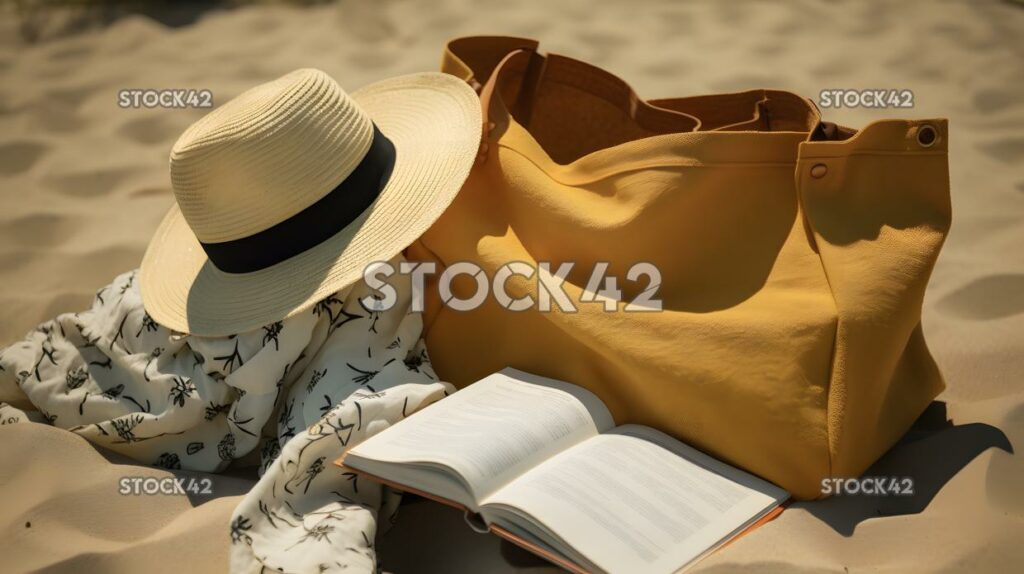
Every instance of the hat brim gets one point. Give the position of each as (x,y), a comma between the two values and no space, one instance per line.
(433,119)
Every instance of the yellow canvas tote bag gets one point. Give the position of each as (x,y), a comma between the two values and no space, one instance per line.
(789,256)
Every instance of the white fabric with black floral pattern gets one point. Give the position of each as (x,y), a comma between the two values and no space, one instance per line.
(299,391)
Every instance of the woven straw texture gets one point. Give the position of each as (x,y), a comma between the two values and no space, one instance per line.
(278,148)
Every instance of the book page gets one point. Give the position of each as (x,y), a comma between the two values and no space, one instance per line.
(492,430)
(637,500)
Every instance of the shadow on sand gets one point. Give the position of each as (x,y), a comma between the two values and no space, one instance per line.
(930,454)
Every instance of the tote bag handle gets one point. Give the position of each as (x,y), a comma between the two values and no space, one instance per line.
(517,102)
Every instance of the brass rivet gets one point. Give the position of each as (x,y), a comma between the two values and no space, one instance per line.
(819,171)
(927,136)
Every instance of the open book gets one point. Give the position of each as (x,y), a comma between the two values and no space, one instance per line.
(541,463)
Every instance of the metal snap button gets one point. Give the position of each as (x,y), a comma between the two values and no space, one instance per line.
(927,136)
(819,171)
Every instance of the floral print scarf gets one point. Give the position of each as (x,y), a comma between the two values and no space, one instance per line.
(296,393)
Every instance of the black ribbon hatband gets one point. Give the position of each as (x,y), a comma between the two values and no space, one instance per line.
(315,224)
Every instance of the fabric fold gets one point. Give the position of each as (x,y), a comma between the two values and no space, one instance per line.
(295,393)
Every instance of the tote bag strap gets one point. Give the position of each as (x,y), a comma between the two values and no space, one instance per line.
(752,110)
(484,62)
(516,96)
(514,79)
(475,58)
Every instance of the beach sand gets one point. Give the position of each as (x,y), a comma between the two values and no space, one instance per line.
(83,184)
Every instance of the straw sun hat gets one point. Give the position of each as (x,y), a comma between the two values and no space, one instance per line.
(287,192)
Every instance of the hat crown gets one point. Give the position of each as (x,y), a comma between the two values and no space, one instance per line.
(266,155)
